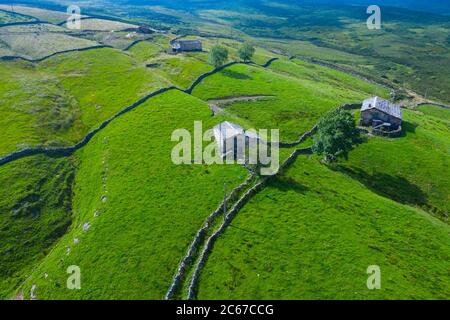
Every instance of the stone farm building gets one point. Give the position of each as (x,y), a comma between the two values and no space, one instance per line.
(233,141)
(381,115)
(186,45)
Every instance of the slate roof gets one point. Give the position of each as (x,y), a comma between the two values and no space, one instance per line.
(180,44)
(227,130)
(383,106)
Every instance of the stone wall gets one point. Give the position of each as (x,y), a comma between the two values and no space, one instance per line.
(199,238)
(205,75)
(230,216)
(9,58)
(64,151)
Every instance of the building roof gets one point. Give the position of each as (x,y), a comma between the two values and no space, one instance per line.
(383,106)
(189,41)
(226,130)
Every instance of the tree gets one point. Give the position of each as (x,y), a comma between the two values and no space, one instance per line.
(218,56)
(246,52)
(336,134)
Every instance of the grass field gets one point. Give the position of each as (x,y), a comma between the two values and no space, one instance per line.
(405,50)
(143,221)
(36,109)
(180,70)
(122,211)
(144,51)
(312,233)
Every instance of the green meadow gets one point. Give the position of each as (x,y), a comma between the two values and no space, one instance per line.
(144,51)
(35,212)
(298,101)
(434,111)
(412,169)
(312,234)
(121,210)
(141,222)
(57,101)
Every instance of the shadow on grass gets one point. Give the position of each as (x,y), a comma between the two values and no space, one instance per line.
(284,184)
(408,127)
(394,187)
(236,75)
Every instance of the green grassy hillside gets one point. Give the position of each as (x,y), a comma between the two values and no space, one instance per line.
(144,51)
(412,169)
(312,233)
(122,211)
(298,102)
(437,112)
(142,209)
(57,101)
(35,211)
(35,108)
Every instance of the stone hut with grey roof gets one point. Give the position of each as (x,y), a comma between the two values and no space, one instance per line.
(186,45)
(381,114)
(233,141)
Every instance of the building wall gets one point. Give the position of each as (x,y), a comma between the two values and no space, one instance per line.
(239,147)
(367,117)
(190,46)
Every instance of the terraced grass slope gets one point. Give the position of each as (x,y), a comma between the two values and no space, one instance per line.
(104,81)
(132,213)
(141,209)
(35,211)
(413,169)
(298,101)
(313,232)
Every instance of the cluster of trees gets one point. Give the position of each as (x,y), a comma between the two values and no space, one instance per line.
(218,55)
